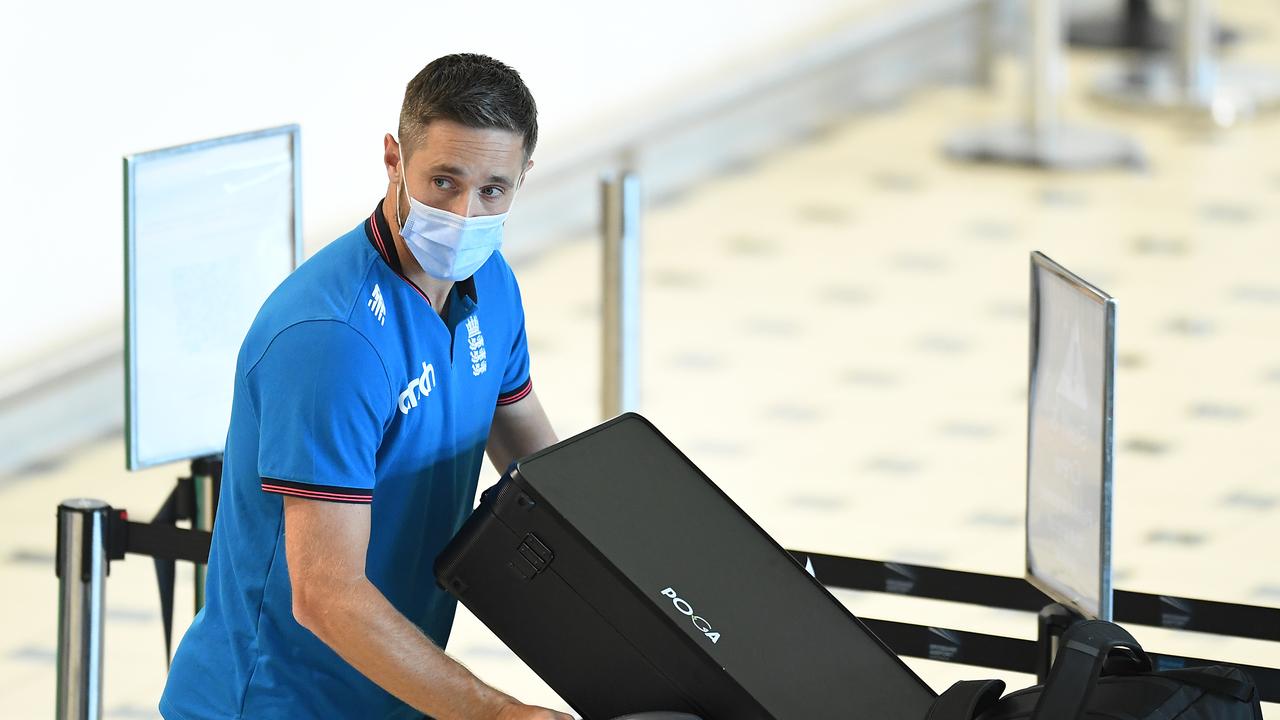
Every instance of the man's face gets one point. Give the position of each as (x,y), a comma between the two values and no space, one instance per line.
(463,170)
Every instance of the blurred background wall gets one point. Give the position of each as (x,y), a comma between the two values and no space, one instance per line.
(86,83)
(674,89)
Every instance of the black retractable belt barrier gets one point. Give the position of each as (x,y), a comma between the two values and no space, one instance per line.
(163,541)
(1015,593)
(957,646)
(1012,593)
(997,591)
(166,572)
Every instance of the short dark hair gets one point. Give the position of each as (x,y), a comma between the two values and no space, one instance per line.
(472,90)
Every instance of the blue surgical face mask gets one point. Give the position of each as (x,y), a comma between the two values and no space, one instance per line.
(448,246)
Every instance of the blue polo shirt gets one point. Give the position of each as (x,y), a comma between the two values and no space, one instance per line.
(349,388)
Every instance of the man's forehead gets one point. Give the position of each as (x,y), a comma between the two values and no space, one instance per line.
(459,150)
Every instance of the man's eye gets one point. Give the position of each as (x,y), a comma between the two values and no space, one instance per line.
(492,191)
(442,183)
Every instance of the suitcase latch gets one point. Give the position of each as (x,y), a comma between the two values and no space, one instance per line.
(532,557)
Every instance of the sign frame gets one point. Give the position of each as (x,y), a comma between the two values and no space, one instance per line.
(132,163)
(1042,263)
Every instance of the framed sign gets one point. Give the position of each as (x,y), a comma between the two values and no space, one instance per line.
(211,228)
(1070,439)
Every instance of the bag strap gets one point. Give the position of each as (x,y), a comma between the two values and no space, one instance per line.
(1241,690)
(966,700)
(1082,652)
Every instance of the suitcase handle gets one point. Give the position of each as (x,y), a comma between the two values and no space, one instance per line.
(1082,653)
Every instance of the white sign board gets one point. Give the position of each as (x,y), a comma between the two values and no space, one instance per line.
(211,228)
(1070,439)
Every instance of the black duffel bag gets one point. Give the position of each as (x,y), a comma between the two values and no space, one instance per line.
(1101,672)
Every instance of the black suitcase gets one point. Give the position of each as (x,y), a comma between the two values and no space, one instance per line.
(629,582)
(1090,680)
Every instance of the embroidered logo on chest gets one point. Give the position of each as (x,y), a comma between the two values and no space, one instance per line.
(475,345)
(378,306)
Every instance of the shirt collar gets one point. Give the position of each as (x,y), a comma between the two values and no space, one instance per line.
(380,237)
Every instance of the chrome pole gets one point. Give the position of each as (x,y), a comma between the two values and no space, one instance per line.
(82,572)
(620,386)
(1040,137)
(1045,79)
(1195,50)
(987,43)
(202,519)
(1193,82)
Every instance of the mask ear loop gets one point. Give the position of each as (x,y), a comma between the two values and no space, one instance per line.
(404,183)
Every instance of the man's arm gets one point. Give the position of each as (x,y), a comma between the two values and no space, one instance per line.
(325,545)
(519,429)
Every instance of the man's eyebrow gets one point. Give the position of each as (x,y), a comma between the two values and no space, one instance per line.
(448,169)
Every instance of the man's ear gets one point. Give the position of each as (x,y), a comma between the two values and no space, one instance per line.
(527,167)
(391,158)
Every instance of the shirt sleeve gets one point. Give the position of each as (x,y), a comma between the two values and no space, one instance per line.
(516,382)
(322,398)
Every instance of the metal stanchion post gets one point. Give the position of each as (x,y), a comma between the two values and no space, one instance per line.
(1047,77)
(1193,81)
(621,301)
(82,572)
(1042,139)
(204,483)
(1196,60)
(988,43)
(1136,28)
(1051,623)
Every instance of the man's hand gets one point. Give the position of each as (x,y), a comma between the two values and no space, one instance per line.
(517,711)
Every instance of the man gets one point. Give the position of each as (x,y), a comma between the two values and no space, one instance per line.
(367,391)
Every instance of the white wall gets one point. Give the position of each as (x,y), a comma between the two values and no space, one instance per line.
(84,83)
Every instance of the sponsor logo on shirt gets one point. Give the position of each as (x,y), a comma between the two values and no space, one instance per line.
(378,305)
(475,343)
(419,387)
